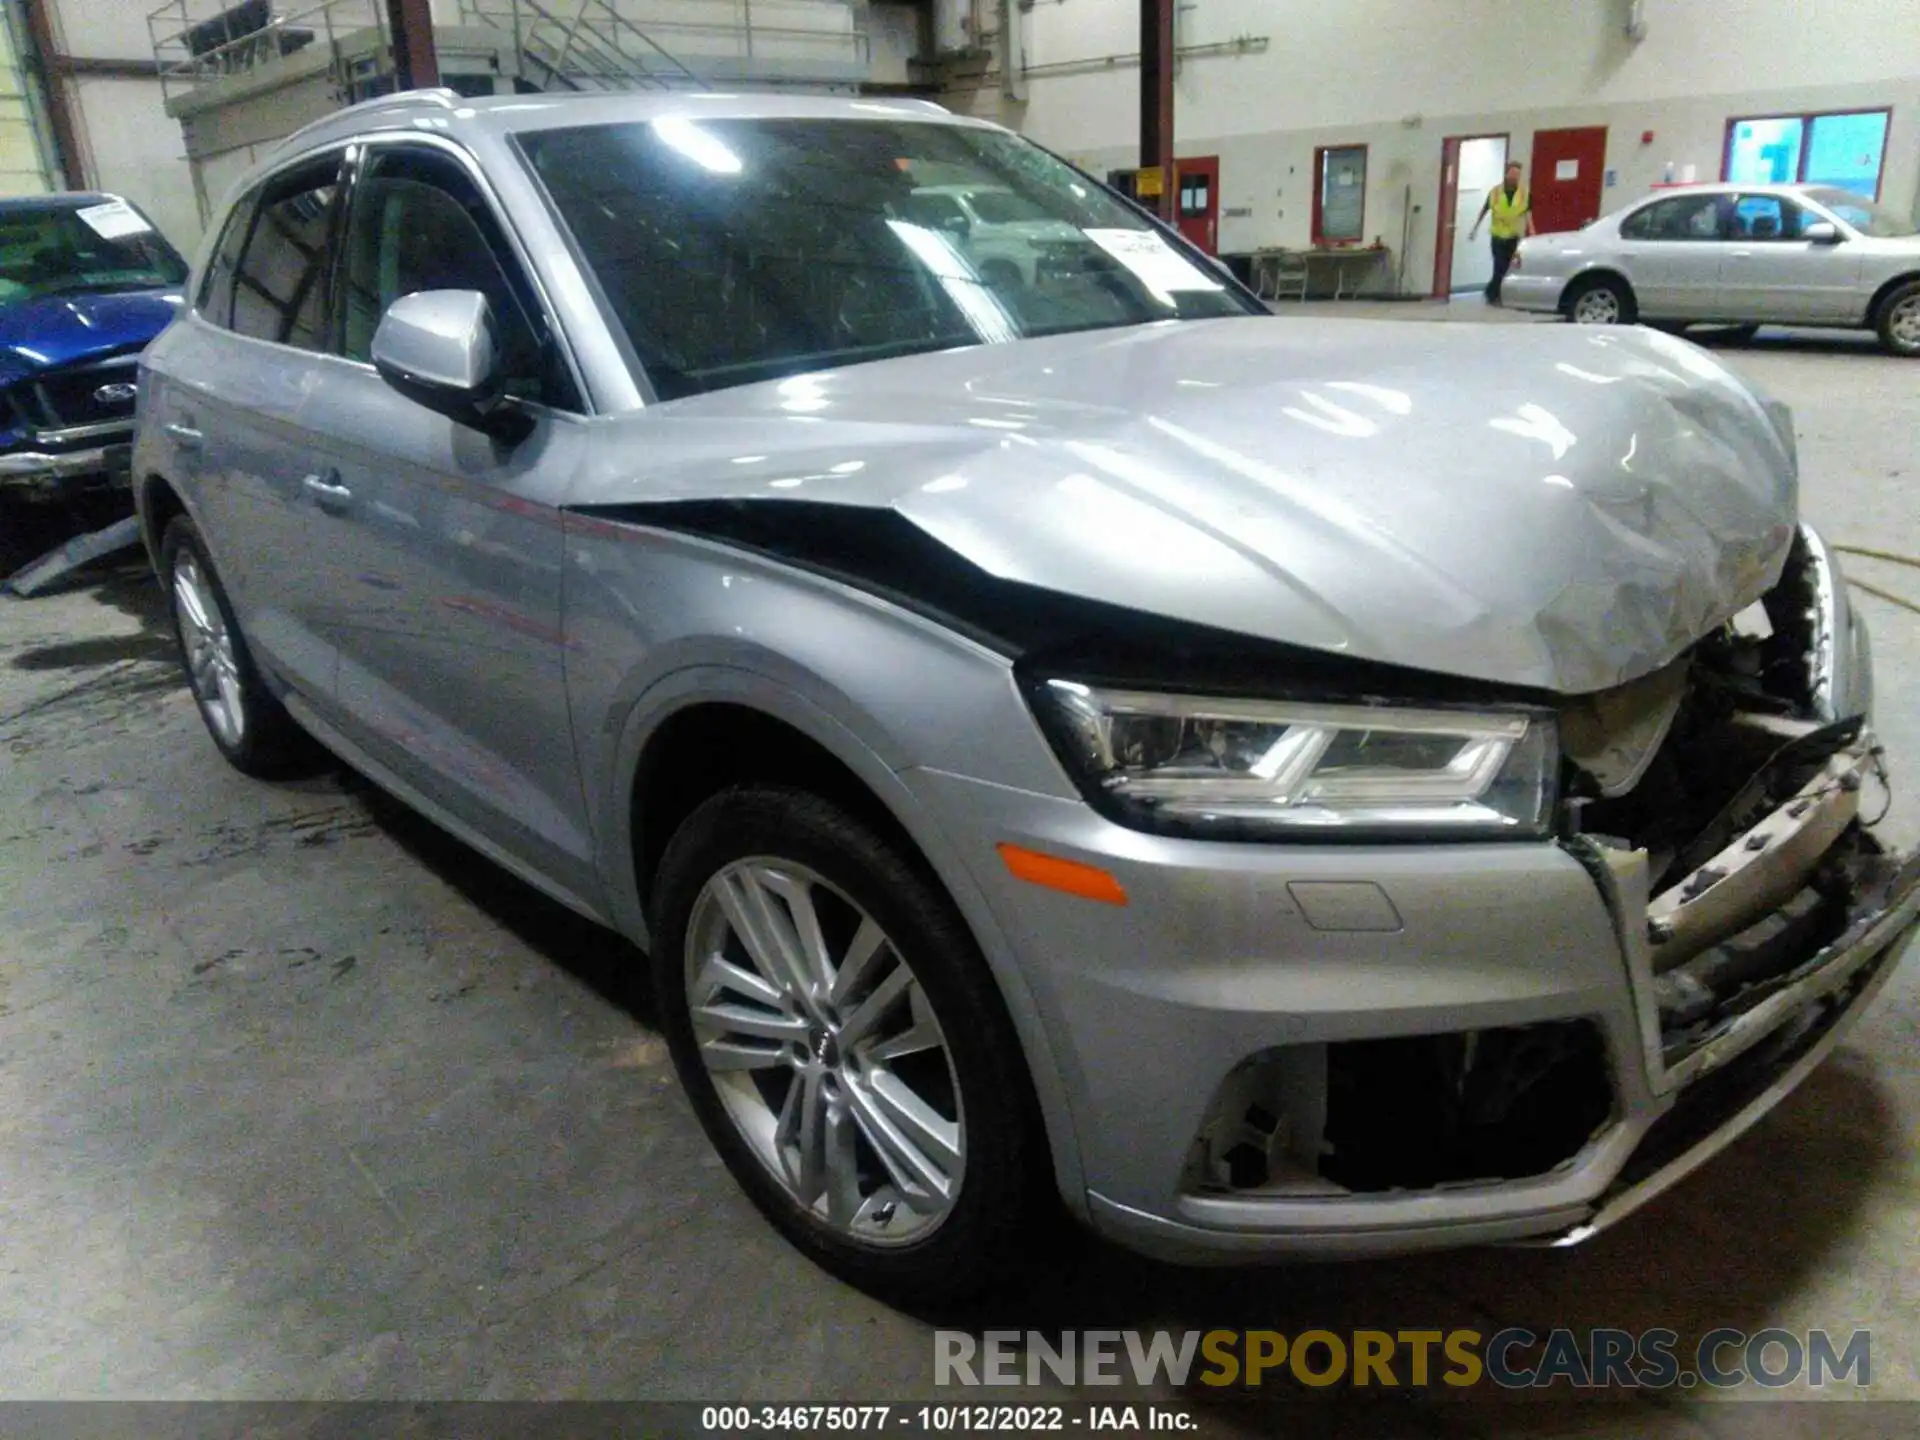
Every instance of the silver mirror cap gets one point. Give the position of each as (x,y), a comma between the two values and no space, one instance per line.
(1822,232)
(438,339)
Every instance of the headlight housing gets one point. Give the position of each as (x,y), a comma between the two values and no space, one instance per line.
(1279,769)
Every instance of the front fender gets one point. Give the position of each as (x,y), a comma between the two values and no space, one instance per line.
(709,684)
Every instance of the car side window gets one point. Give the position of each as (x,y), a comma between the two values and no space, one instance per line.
(419,222)
(1679,217)
(215,300)
(1766,217)
(280,284)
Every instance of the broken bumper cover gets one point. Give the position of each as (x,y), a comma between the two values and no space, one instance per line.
(50,475)
(1226,952)
(1758,1061)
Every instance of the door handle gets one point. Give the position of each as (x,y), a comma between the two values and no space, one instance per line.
(327,489)
(189,438)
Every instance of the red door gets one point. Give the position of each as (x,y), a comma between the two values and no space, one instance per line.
(1199,200)
(1449,202)
(1569,168)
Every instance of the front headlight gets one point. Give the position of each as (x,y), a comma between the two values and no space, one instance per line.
(1278,769)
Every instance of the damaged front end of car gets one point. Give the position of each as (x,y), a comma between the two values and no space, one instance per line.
(1723,806)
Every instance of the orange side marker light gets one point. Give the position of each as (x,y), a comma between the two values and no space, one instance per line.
(1070,877)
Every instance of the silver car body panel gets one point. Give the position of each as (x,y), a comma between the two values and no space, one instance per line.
(1564,512)
(1780,281)
(497,633)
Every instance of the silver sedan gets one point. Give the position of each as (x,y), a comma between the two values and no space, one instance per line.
(1743,255)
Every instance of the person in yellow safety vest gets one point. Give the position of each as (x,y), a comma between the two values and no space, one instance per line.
(1512,211)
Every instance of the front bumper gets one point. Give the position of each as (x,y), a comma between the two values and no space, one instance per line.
(1226,952)
(1521,291)
(61,474)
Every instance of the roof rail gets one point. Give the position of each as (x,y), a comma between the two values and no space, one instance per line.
(405,100)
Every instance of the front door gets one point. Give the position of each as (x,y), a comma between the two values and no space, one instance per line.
(1569,172)
(1768,272)
(451,653)
(1199,201)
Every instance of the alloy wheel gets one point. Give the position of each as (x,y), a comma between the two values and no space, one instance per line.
(1903,323)
(1597,307)
(825,1051)
(212,669)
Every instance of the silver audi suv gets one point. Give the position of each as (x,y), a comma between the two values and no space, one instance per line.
(1070,743)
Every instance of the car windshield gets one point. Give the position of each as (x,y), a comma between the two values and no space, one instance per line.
(1864,215)
(732,251)
(1003,207)
(100,246)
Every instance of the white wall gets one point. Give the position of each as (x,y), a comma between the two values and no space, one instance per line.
(136,150)
(893,40)
(1400,75)
(131,146)
(24,168)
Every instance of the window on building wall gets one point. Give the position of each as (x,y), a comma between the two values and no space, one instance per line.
(1340,199)
(1194,193)
(1844,149)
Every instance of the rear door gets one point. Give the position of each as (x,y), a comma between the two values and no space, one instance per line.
(237,412)
(1671,252)
(1770,272)
(451,653)
(1568,173)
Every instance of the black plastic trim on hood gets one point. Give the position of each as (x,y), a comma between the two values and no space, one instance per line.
(1046,633)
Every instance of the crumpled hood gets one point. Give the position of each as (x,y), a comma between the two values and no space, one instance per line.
(56,330)
(1553,507)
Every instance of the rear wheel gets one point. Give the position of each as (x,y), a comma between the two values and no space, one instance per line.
(1602,300)
(251,728)
(845,1047)
(1899,324)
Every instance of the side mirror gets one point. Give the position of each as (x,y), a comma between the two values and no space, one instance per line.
(436,347)
(1822,232)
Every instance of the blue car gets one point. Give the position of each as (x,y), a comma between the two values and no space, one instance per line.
(86,282)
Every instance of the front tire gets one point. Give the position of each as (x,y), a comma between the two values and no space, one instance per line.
(250,727)
(1602,300)
(1899,322)
(845,1048)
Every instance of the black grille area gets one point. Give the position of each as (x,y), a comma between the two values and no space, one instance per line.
(61,399)
(1499,1104)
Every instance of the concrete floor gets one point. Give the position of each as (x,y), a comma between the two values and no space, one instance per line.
(299,1098)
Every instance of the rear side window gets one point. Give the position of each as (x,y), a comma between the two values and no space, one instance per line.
(280,285)
(215,300)
(1683,217)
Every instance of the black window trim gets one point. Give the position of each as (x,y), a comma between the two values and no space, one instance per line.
(249,198)
(239,213)
(352,154)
